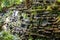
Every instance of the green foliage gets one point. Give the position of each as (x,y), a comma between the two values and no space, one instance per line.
(8,3)
(7,36)
(58,0)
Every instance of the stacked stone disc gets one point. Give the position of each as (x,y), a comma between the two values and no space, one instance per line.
(43,23)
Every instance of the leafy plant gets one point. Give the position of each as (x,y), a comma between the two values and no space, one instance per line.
(7,36)
(8,3)
(58,0)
